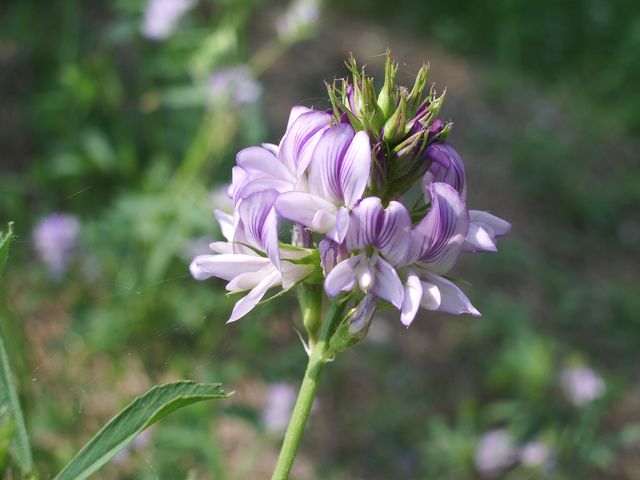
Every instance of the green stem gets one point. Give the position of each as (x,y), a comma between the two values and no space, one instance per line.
(317,359)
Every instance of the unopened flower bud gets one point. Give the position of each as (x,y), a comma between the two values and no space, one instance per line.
(354,325)
(388,97)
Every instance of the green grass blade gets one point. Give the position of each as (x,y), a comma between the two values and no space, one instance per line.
(145,410)
(5,242)
(19,446)
(20,449)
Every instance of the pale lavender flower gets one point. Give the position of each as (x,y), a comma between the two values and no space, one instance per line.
(495,453)
(251,258)
(280,167)
(162,16)
(298,19)
(235,84)
(338,175)
(535,455)
(402,264)
(380,238)
(281,398)
(581,385)
(55,239)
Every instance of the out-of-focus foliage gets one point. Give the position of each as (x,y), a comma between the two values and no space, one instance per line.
(127,135)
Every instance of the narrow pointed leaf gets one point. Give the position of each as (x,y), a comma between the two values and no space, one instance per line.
(19,445)
(144,411)
(5,242)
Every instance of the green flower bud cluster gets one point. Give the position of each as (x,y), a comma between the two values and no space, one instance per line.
(400,122)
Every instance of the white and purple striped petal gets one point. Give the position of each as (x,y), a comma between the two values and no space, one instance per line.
(446,166)
(340,165)
(388,230)
(365,223)
(226,266)
(258,224)
(483,231)
(249,301)
(412,298)
(342,278)
(298,141)
(441,233)
(387,284)
(442,295)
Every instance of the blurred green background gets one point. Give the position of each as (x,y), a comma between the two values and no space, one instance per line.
(129,122)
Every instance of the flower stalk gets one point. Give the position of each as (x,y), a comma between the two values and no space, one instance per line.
(318,356)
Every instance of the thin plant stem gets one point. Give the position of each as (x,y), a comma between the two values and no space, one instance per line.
(317,359)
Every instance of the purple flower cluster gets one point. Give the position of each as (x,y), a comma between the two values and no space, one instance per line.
(360,238)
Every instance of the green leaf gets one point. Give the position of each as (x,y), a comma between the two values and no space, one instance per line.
(144,411)
(20,449)
(5,242)
(19,445)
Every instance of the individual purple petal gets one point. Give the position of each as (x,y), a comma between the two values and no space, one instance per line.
(412,297)
(257,183)
(331,253)
(365,273)
(274,149)
(440,294)
(342,225)
(387,284)
(365,223)
(295,113)
(442,231)
(293,273)
(292,147)
(259,223)
(303,208)
(255,160)
(479,240)
(246,303)
(226,224)
(248,280)
(324,221)
(342,277)
(394,238)
(483,230)
(446,166)
(225,266)
(355,169)
(326,162)
(221,247)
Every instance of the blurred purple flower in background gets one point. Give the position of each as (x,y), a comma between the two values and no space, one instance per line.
(298,20)
(535,455)
(235,84)
(278,407)
(55,240)
(581,385)
(162,16)
(495,453)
